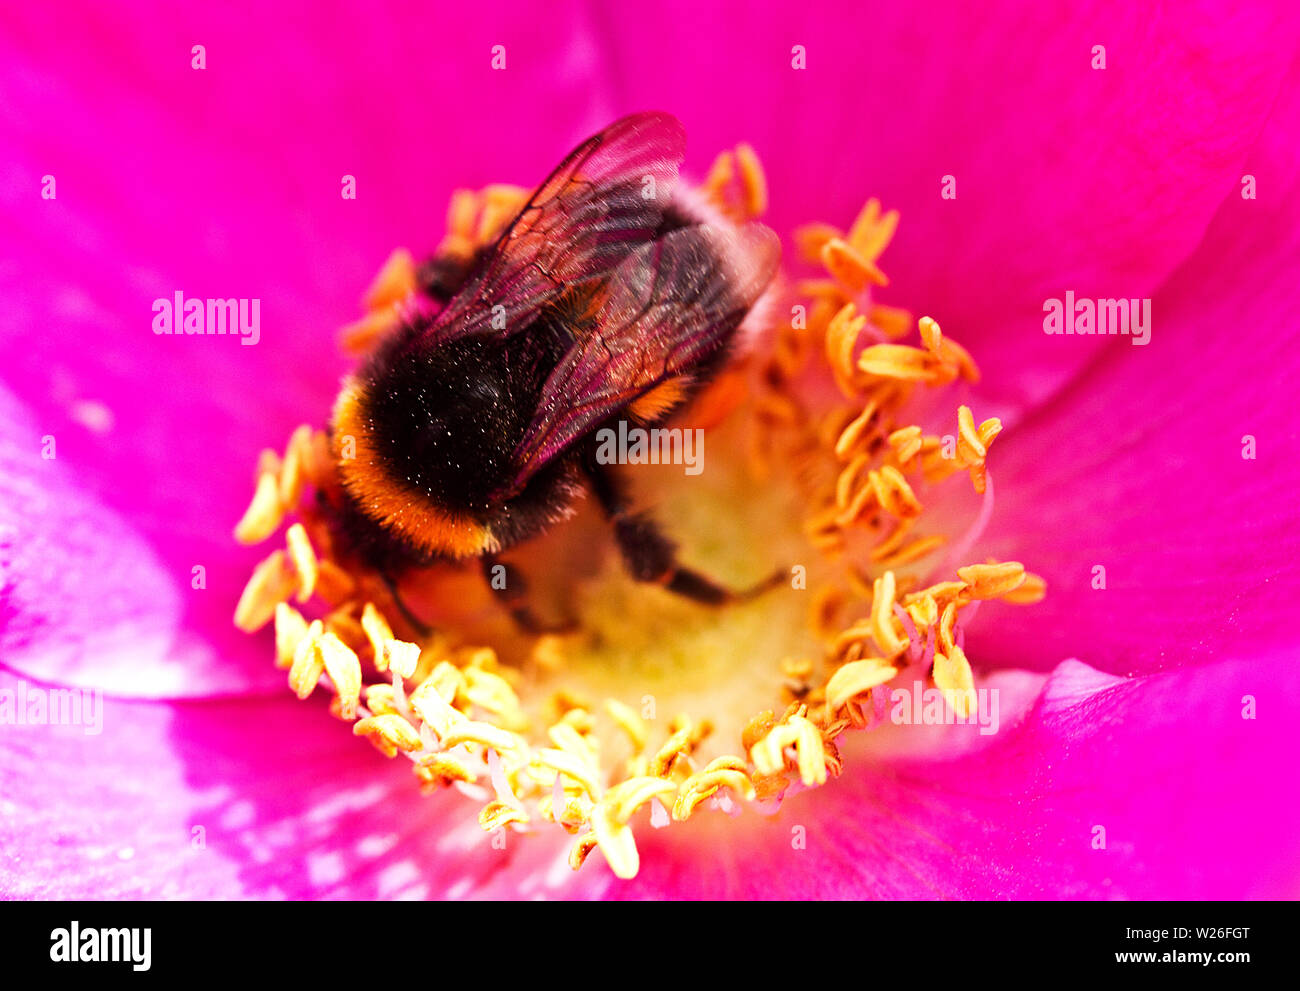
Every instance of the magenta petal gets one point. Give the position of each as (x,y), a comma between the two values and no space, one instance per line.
(1195,801)
(1139,467)
(242,799)
(86,600)
(1068,177)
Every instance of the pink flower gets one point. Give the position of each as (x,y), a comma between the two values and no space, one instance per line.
(1123,706)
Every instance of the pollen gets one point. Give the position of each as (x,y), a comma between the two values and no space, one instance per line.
(754,183)
(344,669)
(652,711)
(395,281)
(725,772)
(497,815)
(390,733)
(953,675)
(391,288)
(272,582)
(736,183)
(855,679)
(308,664)
(303,559)
(992,581)
(800,735)
(849,267)
(266,511)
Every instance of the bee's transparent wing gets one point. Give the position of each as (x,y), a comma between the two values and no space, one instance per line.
(602,203)
(672,305)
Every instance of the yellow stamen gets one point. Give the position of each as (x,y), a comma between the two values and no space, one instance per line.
(892,321)
(947,643)
(810,239)
(703,786)
(290,628)
(871,233)
(638,733)
(344,668)
(362,335)
(395,281)
(857,678)
(913,551)
(435,711)
(797,732)
(308,663)
(571,767)
(495,815)
(841,341)
(484,734)
(443,770)
(609,821)
(266,511)
(952,673)
(720,177)
(291,470)
(852,434)
(676,745)
(752,180)
(390,733)
(272,582)
(1033,590)
(399,657)
(992,581)
(849,267)
(906,443)
(941,593)
(584,846)
(304,561)
(882,615)
(378,631)
(894,494)
(901,361)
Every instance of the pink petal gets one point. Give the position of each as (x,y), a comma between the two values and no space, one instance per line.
(228,800)
(1068,177)
(1139,468)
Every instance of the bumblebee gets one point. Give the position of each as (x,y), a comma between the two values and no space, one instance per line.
(615,293)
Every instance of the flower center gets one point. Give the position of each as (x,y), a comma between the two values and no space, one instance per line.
(655,708)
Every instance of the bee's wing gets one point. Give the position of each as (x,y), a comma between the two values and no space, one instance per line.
(602,203)
(671,305)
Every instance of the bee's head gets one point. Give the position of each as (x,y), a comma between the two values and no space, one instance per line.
(424,438)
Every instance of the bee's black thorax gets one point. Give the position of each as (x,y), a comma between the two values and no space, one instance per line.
(444,421)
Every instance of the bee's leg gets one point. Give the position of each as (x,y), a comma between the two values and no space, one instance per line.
(422,628)
(511,589)
(651,556)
